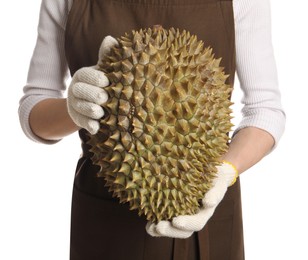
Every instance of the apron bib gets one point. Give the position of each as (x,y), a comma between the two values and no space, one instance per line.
(101,227)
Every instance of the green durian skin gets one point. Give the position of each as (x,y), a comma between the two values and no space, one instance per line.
(167,121)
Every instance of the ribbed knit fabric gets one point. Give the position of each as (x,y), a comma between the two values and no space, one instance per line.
(255,65)
(256,68)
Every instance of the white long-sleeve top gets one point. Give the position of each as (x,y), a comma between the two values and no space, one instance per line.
(255,65)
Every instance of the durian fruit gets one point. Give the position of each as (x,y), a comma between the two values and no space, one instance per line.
(167,122)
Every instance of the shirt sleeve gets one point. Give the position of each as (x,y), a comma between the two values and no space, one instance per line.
(48,69)
(256,68)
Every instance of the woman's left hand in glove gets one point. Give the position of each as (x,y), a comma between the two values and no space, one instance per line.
(185,225)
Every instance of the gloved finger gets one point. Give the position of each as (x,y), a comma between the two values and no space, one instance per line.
(214,196)
(88,109)
(165,229)
(91,76)
(90,93)
(106,45)
(92,126)
(196,222)
(150,228)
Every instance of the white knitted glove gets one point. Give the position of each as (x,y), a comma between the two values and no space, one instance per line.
(184,226)
(86,94)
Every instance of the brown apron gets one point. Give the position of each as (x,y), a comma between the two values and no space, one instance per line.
(101,228)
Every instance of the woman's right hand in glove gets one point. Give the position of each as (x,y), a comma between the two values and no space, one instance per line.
(85,96)
(86,93)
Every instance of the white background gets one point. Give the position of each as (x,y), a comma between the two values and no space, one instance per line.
(36,180)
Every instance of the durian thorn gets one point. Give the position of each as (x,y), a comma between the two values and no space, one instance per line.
(172,162)
(140,147)
(179,73)
(151,181)
(117,89)
(175,205)
(126,138)
(123,122)
(125,37)
(148,87)
(137,176)
(167,146)
(120,180)
(166,193)
(124,107)
(152,196)
(159,187)
(119,147)
(138,132)
(156,58)
(183,164)
(159,198)
(199,48)
(127,79)
(135,194)
(110,143)
(113,105)
(149,156)
(128,92)
(127,51)
(151,50)
(175,151)
(182,127)
(174,63)
(138,46)
(125,42)
(158,203)
(131,148)
(157,169)
(174,193)
(138,83)
(129,197)
(144,164)
(163,46)
(137,123)
(128,158)
(170,133)
(139,72)
(146,173)
(148,141)
(116,53)
(126,66)
(147,37)
(181,185)
(149,71)
(125,169)
(136,37)
(144,58)
(178,93)
(180,196)
(114,76)
(131,185)
(157,39)
(134,59)
(134,205)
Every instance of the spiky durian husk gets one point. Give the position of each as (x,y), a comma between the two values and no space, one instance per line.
(167,122)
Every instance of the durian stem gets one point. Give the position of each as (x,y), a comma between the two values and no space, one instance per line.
(157,27)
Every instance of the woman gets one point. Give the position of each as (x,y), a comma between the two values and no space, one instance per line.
(69,37)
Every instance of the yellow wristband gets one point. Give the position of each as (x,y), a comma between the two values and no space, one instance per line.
(235,169)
